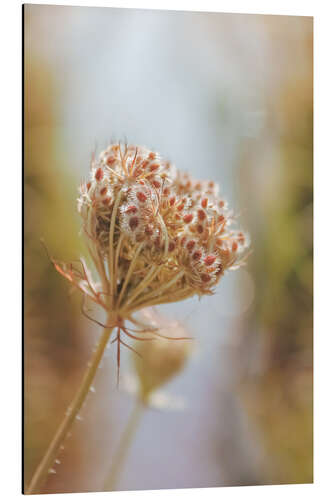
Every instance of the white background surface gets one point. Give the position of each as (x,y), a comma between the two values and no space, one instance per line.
(11,246)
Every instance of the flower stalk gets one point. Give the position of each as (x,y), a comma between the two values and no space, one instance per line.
(123,447)
(71,413)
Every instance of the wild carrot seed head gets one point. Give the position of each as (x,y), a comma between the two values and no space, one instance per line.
(138,206)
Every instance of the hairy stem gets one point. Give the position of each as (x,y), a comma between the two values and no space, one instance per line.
(123,447)
(73,410)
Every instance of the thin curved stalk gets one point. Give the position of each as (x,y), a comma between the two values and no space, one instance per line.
(129,273)
(165,299)
(73,410)
(111,242)
(154,270)
(151,295)
(123,447)
(98,260)
(116,260)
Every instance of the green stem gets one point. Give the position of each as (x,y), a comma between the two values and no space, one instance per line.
(73,410)
(123,447)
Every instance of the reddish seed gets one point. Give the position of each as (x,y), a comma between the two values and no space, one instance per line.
(234,246)
(205,278)
(99,174)
(149,230)
(220,219)
(200,228)
(188,218)
(137,171)
(88,185)
(197,255)
(183,241)
(172,246)
(132,209)
(219,241)
(154,167)
(190,245)
(110,161)
(172,201)
(156,184)
(166,191)
(152,156)
(204,202)
(209,260)
(180,207)
(211,184)
(103,191)
(201,214)
(133,223)
(141,196)
(106,201)
(241,238)
(219,271)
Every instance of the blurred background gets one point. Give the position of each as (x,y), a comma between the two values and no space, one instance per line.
(226,97)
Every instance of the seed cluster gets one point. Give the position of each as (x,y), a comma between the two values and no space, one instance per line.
(140,210)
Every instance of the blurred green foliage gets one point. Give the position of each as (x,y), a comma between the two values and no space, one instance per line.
(51,335)
(279,395)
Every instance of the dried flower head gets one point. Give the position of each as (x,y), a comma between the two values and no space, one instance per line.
(154,234)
